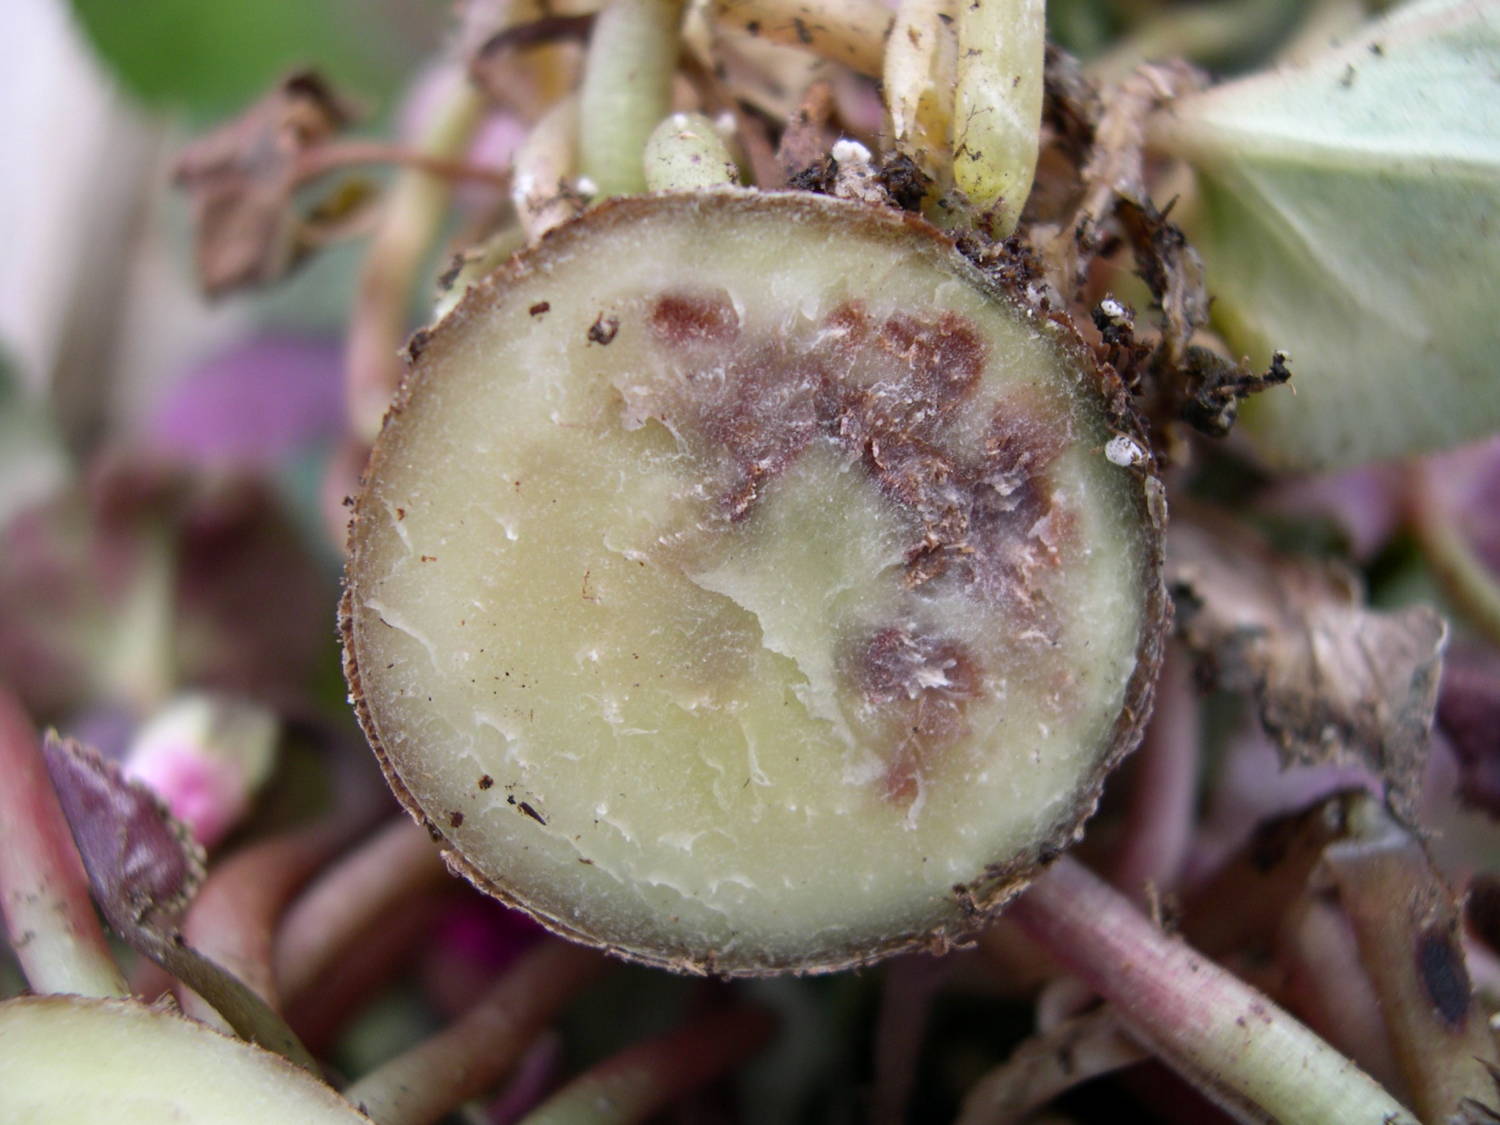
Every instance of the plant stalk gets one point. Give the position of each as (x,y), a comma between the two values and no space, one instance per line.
(410,217)
(350,897)
(44,894)
(626,91)
(422,1084)
(1230,1041)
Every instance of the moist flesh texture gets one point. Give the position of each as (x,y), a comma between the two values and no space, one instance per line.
(729,589)
(68,1060)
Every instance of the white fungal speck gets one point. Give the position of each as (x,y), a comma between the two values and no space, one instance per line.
(1112,308)
(1125,452)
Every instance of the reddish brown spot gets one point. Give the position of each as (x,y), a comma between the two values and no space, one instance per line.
(849,323)
(604,329)
(945,357)
(456,819)
(486,781)
(917,688)
(678,319)
(539,308)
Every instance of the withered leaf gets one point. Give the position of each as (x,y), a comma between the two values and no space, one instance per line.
(242,179)
(809,132)
(143,868)
(1333,679)
(1115,142)
(142,864)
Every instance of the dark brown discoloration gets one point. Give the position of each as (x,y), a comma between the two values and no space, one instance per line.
(455,819)
(887,392)
(1444,977)
(417,344)
(531,812)
(904,182)
(486,782)
(603,330)
(539,308)
(917,687)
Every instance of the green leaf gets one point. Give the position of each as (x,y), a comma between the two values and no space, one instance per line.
(209,57)
(1349,216)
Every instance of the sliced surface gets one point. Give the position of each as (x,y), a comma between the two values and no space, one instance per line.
(738,575)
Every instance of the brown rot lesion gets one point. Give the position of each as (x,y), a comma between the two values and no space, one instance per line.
(969,473)
(912,688)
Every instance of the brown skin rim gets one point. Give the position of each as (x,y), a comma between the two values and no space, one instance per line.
(978,901)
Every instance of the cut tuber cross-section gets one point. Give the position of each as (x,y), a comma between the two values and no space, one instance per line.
(743,583)
(70,1060)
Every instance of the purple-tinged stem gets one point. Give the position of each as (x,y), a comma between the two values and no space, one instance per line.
(1229,1040)
(399,862)
(471,1055)
(1160,821)
(44,893)
(642,1080)
(323,1009)
(910,984)
(233,918)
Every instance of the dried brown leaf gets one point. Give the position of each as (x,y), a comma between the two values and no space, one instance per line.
(242,178)
(809,133)
(1115,168)
(1333,679)
(1049,1064)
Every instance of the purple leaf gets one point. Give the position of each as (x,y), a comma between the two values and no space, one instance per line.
(253,405)
(142,864)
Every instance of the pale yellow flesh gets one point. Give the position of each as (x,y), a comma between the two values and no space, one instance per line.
(67,1060)
(552,614)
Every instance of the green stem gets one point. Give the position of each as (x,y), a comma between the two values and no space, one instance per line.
(49,919)
(1229,1040)
(684,152)
(997,113)
(627,90)
(411,216)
